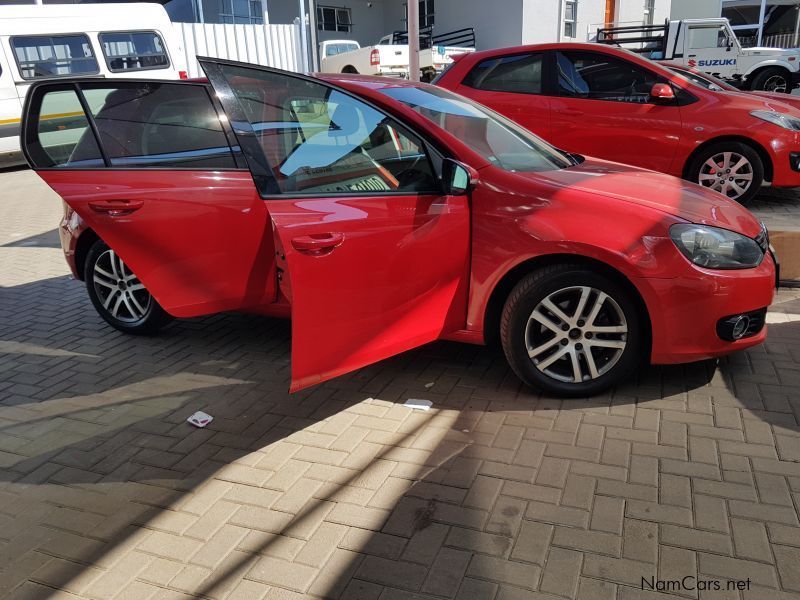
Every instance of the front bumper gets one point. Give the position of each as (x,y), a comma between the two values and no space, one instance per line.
(685,311)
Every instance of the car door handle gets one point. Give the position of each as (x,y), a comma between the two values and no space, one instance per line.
(116,208)
(318,243)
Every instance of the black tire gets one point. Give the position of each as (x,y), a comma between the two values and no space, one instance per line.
(773,79)
(117,294)
(699,171)
(567,282)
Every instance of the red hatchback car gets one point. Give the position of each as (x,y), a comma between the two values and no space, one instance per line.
(613,104)
(381,215)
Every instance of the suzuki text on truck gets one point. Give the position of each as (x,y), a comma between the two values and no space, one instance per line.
(381,215)
(614,104)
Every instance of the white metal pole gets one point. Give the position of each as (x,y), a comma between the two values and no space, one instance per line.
(796,27)
(312,33)
(761,21)
(303,36)
(413,40)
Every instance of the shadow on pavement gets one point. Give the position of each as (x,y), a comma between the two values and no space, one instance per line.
(99,471)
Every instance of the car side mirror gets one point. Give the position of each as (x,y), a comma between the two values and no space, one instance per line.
(458,178)
(662,91)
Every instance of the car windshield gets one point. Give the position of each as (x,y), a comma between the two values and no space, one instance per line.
(500,141)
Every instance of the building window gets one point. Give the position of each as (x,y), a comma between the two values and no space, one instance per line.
(649,9)
(333,19)
(427,13)
(241,11)
(571,18)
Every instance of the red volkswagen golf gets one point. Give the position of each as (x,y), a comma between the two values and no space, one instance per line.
(381,215)
(614,104)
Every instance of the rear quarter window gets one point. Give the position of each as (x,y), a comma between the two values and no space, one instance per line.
(43,56)
(61,132)
(519,73)
(133,51)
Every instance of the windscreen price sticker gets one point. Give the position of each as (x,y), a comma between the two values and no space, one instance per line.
(691,583)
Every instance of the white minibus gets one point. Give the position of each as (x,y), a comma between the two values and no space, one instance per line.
(52,41)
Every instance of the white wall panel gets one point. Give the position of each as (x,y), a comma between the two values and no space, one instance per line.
(270,45)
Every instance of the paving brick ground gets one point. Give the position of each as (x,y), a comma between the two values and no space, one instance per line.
(341,492)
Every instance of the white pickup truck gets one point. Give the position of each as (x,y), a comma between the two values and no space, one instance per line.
(389,57)
(711,46)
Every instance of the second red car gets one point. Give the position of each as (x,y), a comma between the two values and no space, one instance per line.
(613,104)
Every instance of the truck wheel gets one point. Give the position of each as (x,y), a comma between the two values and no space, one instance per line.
(730,168)
(570,332)
(118,295)
(773,79)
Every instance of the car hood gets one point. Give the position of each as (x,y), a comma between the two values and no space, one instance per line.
(782,99)
(665,193)
(769,52)
(750,101)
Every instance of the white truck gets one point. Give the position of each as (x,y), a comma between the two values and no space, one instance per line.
(711,46)
(389,57)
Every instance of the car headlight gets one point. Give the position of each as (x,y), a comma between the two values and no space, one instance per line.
(779,119)
(715,248)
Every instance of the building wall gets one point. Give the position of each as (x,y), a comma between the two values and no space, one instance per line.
(367,17)
(543,20)
(496,23)
(695,9)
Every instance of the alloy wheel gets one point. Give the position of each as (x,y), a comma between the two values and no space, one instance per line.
(728,173)
(576,334)
(121,293)
(776,83)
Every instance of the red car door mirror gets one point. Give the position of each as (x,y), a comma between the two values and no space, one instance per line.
(662,91)
(458,178)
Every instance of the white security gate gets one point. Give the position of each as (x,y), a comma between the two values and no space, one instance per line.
(270,45)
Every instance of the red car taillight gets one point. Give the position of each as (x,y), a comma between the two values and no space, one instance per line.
(183,75)
(375,58)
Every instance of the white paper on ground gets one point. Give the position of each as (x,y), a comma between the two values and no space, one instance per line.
(200,419)
(418,404)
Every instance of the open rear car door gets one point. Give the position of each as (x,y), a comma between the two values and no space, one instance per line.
(377,256)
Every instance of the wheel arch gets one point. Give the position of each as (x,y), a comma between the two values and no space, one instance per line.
(350,69)
(763,67)
(766,160)
(85,241)
(497,299)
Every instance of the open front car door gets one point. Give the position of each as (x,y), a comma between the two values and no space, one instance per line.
(372,254)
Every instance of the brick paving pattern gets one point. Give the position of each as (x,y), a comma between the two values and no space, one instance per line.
(340,491)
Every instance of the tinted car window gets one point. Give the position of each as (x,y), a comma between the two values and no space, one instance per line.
(521,73)
(134,51)
(602,77)
(54,56)
(319,140)
(158,125)
(62,135)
